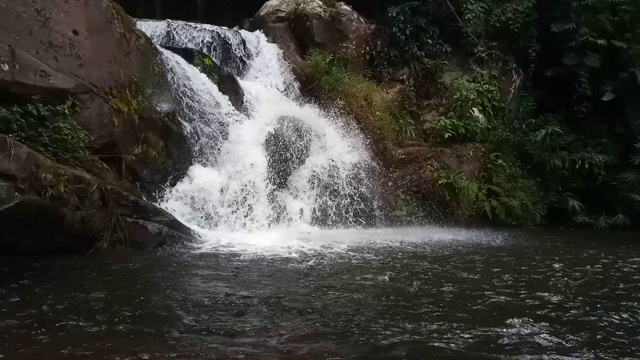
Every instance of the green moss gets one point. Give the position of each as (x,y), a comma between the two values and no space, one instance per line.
(151,151)
(130,99)
(157,69)
(208,67)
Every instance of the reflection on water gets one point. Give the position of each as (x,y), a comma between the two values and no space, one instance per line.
(384,294)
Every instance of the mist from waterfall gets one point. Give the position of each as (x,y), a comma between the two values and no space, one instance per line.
(228,194)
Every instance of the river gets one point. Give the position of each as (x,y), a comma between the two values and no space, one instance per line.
(414,293)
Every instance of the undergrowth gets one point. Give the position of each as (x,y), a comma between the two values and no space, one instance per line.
(504,192)
(51,129)
(384,121)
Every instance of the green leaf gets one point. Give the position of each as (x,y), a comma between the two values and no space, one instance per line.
(593,60)
(560,26)
(608,96)
(570,59)
(620,44)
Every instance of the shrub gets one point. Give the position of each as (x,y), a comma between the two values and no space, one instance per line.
(463,192)
(50,129)
(511,21)
(510,195)
(474,109)
(503,194)
(411,37)
(381,120)
(477,113)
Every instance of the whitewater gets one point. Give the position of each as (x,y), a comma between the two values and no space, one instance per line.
(227,196)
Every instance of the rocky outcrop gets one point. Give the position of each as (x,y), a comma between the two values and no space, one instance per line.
(227,83)
(464,159)
(90,50)
(301,27)
(417,170)
(227,47)
(287,148)
(46,207)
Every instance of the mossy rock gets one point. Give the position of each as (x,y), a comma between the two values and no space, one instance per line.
(227,82)
(49,208)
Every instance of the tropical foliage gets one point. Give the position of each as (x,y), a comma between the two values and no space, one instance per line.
(364,99)
(566,149)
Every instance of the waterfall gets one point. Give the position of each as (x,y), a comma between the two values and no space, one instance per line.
(281,163)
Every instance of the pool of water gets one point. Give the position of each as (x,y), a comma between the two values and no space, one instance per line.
(378,294)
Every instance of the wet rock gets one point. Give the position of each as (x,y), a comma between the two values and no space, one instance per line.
(225,80)
(461,158)
(416,172)
(287,148)
(299,29)
(226,46)
(90,50)
(49,208)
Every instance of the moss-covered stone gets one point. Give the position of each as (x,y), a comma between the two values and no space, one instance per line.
(227,82)
(208,67)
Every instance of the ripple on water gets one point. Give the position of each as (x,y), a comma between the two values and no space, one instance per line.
(411,294)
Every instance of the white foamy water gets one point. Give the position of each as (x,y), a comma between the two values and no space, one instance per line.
(352,243)
(229,195)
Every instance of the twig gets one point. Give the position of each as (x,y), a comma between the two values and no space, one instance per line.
(462,23)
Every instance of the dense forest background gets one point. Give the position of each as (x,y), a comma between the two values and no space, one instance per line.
(573,127)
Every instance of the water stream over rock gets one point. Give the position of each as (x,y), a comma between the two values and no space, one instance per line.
(282,164)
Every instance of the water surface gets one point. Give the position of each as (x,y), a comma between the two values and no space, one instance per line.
(379,294)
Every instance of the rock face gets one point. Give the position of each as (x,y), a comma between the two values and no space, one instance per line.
(50,208)
(417,167)
(301,27)
(90,50)
(287,148)
(68,46)
(461,158)
(226,81)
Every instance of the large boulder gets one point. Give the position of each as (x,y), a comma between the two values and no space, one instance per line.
(49,208)
(302,27)
(226,46)
(287,148)
(90,50)
(227,83)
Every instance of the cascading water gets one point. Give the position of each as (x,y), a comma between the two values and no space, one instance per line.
(280,164)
